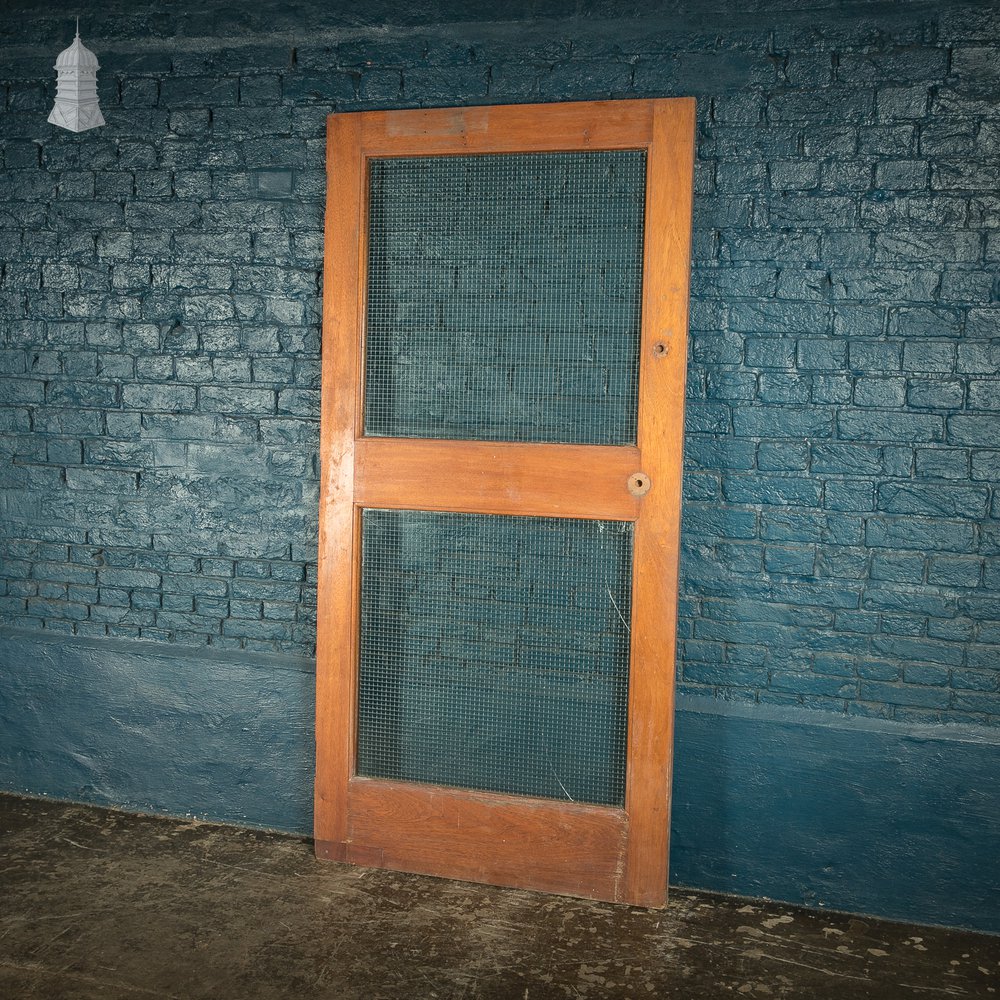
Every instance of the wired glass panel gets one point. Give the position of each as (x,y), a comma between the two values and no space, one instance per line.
(495,652)
(503,296)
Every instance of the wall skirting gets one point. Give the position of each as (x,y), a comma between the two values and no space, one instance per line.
(863,815)
(166,729)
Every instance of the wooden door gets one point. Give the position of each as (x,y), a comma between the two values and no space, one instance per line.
(501,443)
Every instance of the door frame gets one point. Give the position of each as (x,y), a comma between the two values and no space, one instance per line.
(601,852)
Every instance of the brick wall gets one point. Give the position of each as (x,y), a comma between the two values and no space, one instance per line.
(160,301)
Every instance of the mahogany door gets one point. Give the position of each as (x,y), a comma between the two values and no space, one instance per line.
(504,348)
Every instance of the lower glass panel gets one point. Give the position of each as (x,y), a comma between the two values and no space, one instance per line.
(495,653)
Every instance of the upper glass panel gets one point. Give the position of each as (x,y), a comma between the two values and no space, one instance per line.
(504,297)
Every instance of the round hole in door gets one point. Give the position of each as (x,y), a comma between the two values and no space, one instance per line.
(638,484)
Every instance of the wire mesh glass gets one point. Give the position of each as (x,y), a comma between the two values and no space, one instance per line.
(495,653)
(503,296)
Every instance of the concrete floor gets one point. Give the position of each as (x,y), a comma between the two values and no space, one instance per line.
(102,904)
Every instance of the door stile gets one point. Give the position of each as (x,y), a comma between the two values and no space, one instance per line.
(662,369)
(339,535)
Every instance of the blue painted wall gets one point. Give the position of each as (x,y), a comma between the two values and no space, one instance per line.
(159,349)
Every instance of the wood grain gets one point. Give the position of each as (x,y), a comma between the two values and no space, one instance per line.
(657,531)
(338,534)
(508,129)
(526,842)
(496,477)
(612,854)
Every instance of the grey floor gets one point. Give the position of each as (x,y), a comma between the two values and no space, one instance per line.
(102,904)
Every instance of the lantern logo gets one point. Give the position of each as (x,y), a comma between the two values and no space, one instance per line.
(76,106)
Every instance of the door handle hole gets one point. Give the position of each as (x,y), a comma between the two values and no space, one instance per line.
(638,484)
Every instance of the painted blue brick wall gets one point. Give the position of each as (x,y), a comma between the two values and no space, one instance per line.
(160,302)
(159,354)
